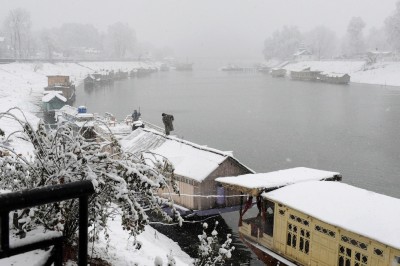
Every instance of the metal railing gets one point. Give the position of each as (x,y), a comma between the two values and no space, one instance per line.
(40,196)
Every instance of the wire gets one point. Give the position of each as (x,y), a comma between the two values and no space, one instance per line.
(205,196)
(190,222)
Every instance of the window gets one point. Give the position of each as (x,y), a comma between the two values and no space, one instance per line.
(325,231)
(298,238)
(378,252)
(354,242)
(350,257)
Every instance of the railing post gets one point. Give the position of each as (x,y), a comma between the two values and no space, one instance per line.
(83,231)
(58,253)
(4,231)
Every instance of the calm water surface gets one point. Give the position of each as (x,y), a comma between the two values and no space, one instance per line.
(272,124)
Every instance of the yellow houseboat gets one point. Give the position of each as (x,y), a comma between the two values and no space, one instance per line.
(325,223)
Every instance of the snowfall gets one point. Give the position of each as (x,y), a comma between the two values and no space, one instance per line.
(21,85)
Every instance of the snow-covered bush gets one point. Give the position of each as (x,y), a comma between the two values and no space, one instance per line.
(210,251)
(63,156)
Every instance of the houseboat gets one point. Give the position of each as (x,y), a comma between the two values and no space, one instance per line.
(184,66)
(305,75)
(278,72)
(99,79)
(52,101)
(80,120)
(324,223)
(232,67)
(61,84)
(336,78)
(196,168)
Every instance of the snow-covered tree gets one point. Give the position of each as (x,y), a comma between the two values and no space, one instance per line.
(354,42)
(392,27)
(210,251)
(376,40)
(18,26)
(283,43)
(322,41)
(121,39)
(62,156)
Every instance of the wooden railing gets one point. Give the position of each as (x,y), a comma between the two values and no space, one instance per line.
(40,196)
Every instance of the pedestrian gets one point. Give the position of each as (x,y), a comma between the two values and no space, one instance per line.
(167,120)
(135,115)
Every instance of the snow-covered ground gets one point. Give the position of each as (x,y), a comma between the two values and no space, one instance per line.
(122,252)
(21,85)
(381,73)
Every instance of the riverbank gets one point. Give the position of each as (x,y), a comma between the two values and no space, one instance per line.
(381,73)
(21,85)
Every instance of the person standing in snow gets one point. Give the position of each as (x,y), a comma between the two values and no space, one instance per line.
(167,120)
(135,115)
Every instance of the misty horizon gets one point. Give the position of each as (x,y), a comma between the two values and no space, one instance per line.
(217,29)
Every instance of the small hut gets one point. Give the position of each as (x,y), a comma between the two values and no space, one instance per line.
(196,167)
(52,101)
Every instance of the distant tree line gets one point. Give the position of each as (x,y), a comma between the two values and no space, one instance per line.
(324,43)
(70,40)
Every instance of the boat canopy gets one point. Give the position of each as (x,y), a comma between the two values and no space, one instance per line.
(254,184)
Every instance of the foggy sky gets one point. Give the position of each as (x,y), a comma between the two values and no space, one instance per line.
(205,28)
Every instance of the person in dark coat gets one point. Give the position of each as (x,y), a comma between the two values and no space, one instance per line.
(135,115)
(167,120)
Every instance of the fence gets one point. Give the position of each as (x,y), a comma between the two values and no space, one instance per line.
(40,196)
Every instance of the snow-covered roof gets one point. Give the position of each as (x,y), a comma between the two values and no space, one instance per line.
(276,179)
(51,95)
(302,52)
(334,75)
(357,210)
(189,159)
(70,110)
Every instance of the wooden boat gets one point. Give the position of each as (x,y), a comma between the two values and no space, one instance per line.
(99,79)
(320,223)
(61,84)
(79,118)
(336,78)
(52,101)
(232,67)
(278,72)
(184,66)
(305,75)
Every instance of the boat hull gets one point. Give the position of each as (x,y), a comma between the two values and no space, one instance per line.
(263,256)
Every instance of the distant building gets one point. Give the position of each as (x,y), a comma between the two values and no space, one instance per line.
(377,56)
(303,55)
(2,46)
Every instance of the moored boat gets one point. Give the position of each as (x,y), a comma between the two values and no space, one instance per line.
(337,78)
(278,72)
(61,84)
(232,67)
(184,66)
(311,222)
(306,74)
